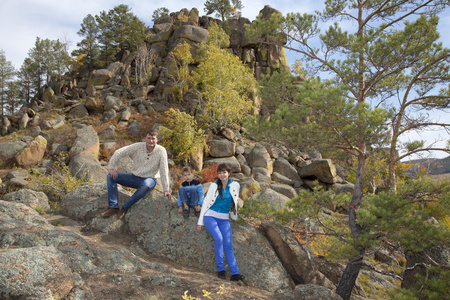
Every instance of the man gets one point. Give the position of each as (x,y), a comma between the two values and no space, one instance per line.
(149,162)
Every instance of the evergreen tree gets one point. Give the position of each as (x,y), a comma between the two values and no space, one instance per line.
(414,220)
(25,81)
(119,29)
(88,46)
(36,66)
(7,74)
(12,97)
(382,57)
(224,9)
(108,48)
(61,61)
(46,59)
(159,13)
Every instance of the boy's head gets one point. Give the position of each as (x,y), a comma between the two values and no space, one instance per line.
(187,173)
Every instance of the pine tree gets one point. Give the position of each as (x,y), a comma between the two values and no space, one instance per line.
(159,13)
(223,8)
(7,73)
(25,81)
(88,46)
(118,29)
(12,97)
(391,50)
(46,59)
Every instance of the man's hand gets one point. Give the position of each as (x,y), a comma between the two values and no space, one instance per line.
(113,174)
(168,195)
(199,228)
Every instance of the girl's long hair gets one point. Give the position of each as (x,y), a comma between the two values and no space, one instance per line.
(222,167)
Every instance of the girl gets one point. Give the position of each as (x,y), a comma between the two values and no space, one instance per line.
(220,201)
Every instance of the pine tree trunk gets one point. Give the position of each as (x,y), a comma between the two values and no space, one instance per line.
(349,276)
(351,271)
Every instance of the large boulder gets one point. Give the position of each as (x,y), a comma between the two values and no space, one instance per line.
(47,273)
(163,35)
(49,257)
(283,167)
(5,125)
(249,187)
(192,33)
(100,77)
(9,150)
(48,95)
(222,148)
(115,68)
(284,189)
(259,157)
(230,161)
(263,180)
(23,122)
(269,196)
(295,259)
(32,153)
(343,187)
(87,202)
(87,141)
(112,102)
(314,292)
(78,112)
(12,213)
(322,169)
(29,197)
(85,166)
(53,123)
(196,159)
(176,239)
(17,179)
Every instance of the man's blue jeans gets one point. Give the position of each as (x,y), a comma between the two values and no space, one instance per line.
(141,184)
(220,230)
(188,194)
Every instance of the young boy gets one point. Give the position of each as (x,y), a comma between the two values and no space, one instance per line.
(190,194)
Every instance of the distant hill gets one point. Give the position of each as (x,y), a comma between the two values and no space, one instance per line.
(433,166)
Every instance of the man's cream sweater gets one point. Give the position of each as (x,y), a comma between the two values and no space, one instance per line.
(145,164)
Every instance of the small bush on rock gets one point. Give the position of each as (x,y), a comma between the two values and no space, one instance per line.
(59,182)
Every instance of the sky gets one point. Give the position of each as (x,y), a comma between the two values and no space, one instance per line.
(21,21)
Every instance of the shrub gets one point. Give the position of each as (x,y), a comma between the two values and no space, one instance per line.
(59,182)
(182,135)
(209,174)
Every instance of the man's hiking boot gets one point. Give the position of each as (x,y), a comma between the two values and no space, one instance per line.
(197,213)
(239,278)
(221,275)
(186,213)
(122,212)
(109,212)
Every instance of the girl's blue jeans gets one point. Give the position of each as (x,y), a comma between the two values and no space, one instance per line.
(220,230)
(141,184)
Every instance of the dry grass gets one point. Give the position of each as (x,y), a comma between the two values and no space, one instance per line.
(441,176)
